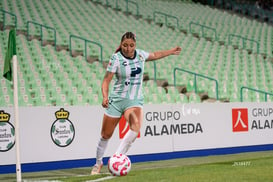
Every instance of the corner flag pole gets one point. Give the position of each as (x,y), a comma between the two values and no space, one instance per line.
(10,73)
(16,113)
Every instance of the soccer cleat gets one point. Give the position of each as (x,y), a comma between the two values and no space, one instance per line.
(96,169)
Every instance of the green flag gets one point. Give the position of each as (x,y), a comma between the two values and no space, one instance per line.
(9,54)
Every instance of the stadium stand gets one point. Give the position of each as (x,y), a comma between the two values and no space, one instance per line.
(49,77)
(260,10)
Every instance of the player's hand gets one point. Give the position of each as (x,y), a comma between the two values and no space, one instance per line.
(105,102)
(176,50)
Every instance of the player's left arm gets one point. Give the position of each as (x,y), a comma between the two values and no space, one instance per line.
(164,53)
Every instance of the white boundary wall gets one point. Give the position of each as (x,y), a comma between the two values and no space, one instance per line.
(166,128)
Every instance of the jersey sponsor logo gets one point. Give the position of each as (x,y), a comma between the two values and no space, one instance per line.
(125,63)
(127,83)
(135,71)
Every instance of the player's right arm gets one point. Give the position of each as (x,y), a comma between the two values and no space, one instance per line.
(105,88)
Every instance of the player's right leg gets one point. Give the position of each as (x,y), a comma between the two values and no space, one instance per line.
(134,115)
(108,126)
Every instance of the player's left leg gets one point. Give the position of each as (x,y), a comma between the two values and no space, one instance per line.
(108,126)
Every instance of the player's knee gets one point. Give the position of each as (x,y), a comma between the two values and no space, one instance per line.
(134,122)
(135,127)
(106,135)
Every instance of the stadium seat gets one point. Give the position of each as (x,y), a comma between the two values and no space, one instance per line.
(44,67)
(181,98)
(194,98)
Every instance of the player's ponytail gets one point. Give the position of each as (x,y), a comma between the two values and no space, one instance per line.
(118,49)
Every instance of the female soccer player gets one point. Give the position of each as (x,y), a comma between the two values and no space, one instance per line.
(126,98)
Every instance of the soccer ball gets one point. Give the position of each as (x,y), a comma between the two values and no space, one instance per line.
(119,165)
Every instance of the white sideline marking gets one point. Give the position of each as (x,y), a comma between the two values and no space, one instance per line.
(41,181)
(102,179)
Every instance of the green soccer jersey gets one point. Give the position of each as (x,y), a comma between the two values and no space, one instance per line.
(129,74)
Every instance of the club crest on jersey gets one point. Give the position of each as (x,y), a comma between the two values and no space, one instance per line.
(141,58)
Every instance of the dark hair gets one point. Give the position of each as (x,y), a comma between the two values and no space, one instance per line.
(127,35)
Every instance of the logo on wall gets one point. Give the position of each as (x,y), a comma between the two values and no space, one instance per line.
(124,127)
(62,130)
(239,120)
(7,132)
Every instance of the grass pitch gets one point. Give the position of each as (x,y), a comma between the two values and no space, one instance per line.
(253,166)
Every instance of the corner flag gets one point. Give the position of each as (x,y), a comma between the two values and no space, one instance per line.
(11,51)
